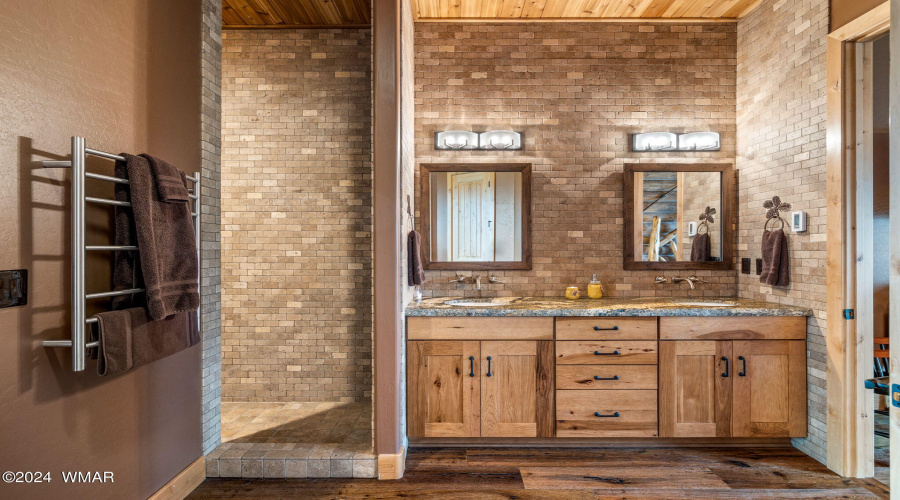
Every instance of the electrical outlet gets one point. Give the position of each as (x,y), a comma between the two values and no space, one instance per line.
(745,265)
(758,267)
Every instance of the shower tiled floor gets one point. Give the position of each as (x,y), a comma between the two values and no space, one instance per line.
(294,440)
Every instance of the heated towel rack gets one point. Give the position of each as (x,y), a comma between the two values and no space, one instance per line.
(80,321)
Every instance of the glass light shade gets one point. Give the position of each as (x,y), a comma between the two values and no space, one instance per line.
(455,139)
(699,141)
(500,139)
(655,141)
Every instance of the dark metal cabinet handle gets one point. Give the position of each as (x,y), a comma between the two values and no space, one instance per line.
(598,377)
(598,329)
(611,415)
(471,366)
(614,353)
(725,359)
(743,372)
(489,366)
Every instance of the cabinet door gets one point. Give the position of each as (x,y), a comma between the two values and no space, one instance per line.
(443,389)
(695,389)
(516,389)
(769,388)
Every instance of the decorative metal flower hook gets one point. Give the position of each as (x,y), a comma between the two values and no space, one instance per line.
(707,215)
(775,205)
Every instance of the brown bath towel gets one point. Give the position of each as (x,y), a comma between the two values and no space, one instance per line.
(165,238)
(701,248)
(775,270)
(129,338)
(171,184)
(416,274)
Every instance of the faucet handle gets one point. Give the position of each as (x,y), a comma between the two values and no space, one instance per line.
(697,280)
(660,280)
(459,279)
(494,279)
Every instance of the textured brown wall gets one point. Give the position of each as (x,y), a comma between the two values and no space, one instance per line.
(781,151)
(844,11)
(125,75)
(576,91)
(296,215)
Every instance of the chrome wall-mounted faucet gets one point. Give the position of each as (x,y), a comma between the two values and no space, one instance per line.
(660,280)
(691,280)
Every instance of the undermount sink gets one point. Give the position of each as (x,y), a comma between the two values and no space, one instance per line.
(706,303)
(496,301)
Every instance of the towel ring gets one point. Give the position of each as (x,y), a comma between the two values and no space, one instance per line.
(702,225)
(766,226)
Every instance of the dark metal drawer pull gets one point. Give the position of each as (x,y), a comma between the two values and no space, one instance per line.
(489,366)
(614,353)
(725,359)
(598,329)
(743,372)
(613,415)
(471,366)
(598,377)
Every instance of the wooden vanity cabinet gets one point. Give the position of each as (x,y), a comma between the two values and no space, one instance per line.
(498,386)
(733,388)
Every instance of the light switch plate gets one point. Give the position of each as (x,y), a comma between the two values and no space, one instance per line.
(745,265)
(13,288)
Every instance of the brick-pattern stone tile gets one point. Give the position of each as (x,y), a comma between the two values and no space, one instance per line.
(781,151)
(576,91)
(210,261)
(296,215)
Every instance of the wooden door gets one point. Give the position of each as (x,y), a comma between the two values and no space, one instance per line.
(444,394)
(473,217)
(695,388)
(769,388)
(516,389)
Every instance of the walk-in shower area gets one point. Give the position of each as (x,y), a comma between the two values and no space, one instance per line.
(296,254)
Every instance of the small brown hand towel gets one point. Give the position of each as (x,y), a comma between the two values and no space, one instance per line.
(129,338)
(415,272)
(701,248)
(776,264)
(171,184)
(165,240)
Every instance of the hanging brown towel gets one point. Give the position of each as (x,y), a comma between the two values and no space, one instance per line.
(130,339)
(171,184)
(701,248)
(165,238)
(415,272)
(776,263)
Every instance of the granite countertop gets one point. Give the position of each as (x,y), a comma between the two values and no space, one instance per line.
(544,306)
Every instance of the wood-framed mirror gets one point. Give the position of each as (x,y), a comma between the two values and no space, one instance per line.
(475,216)
(679,216)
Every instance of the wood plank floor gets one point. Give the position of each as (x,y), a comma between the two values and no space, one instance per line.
(574,473)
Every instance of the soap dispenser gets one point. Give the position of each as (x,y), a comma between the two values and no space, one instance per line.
(595,288)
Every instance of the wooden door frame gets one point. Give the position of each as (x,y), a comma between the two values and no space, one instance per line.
(850,423)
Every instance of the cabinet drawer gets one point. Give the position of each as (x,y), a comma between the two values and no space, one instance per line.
(606,328)
(495,328)
(606,353)
(606,377)
(732,328)
(606,413)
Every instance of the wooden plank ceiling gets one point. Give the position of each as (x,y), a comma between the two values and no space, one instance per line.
(587,10)
(295,13)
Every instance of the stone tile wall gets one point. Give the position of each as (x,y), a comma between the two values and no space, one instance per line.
(781,151)
(296,215)
(210,222)
(576,91)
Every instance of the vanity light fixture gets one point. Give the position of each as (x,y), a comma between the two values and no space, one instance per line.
(500,139)
(455,139)
(699,141)
(654,141)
